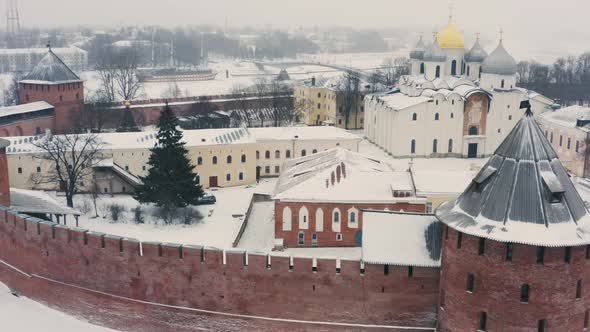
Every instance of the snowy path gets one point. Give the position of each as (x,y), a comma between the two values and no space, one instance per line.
(24,314)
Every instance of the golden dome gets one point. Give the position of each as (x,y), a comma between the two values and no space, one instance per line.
(450,37)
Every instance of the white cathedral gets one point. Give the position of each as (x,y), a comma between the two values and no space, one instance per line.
(454,103)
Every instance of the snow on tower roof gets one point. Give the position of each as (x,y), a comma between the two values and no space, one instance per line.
(339,175)
(406,239)
(25,108)
(569,116)
(522,195)
(51,70)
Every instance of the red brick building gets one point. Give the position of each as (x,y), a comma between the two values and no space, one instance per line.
(516,246)
(52,81)
(319,199)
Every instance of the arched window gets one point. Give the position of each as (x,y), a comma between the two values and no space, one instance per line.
(288,154)
(502,84)
(524,293)
(551,137)
(303,218)
(303,153)
(437,74)
(243,158)
(414,116)
(479,72)
(353,218)
(336,220)
(214,160)
(450,145)
(422,68)
(454,67)
(435,146)
(241,176)
(198,179)
(314,151)
(277,154)
(287,219)
(257,155)
(267,154)
(229,159)
(319,220)
(472,130)
(413,146)
(436,117)
(200,161)
(468,70)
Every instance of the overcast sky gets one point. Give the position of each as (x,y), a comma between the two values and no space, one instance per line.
(558,24)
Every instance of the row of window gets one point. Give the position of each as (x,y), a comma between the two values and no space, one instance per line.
(228,177)
(214,160)
(434,146)
(267,154)
(303,219)
(540,252)
(569,141)
(453,69)
(436,115)
(314,238)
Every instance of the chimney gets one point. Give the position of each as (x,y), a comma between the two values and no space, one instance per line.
(4,183)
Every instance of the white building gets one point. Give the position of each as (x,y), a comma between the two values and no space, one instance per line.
(454,102)
(24,59)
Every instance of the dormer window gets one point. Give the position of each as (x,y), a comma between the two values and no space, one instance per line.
(554,186)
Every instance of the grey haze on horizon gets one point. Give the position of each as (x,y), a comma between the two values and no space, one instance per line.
(554,27)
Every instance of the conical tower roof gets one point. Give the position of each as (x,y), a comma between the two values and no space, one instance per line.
(522,195)
(51,70)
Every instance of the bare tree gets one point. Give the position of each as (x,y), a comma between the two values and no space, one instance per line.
(72,159)
(300,107)
(117,73)
(106,68)
(350,95)
(172,91)
(261,90)
(241,104)
(11,95)
(278,104)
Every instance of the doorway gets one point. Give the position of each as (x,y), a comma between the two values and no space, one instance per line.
(472,150)
(213,181)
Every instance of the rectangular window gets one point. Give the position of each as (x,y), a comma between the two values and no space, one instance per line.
(567,257)
(386,270)
(540,255)
(446,232)
(509,249)
(267,169)
(277,169)
(560,140)
(459,240)
(470,282)
(314,239)
(586,319)
(428,207)
(410,271)
(442,298)
(577,146)
(481,248)
(483,321)
(579,290)
(524,293)
(569,143)
(338,237)
(301,238)
(541,326)
(20,170)
(588,252)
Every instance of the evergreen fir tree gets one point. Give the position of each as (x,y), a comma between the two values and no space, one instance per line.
(171,182)
(127,122)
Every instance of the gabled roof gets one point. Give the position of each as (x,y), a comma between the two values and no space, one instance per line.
(339,175)
(522,195)
(51,69)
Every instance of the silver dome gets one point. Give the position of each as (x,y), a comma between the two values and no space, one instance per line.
(499,62)
(476,53)
(434,53)
(418,52)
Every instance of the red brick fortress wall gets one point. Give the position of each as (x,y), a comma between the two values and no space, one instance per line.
(497,287)
(153,287)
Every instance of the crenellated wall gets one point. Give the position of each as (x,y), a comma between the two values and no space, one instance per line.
(149,286)
(497,284)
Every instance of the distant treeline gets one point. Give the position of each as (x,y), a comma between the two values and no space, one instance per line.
(567,80)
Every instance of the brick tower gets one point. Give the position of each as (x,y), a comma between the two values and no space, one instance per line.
(54,82)
(516,254)
(4,183)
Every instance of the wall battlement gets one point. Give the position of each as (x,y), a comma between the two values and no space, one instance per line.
(196,277)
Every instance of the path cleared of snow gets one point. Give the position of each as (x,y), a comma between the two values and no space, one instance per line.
(260,231)
(24,314)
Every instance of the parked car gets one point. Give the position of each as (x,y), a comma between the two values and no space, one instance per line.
(207,200)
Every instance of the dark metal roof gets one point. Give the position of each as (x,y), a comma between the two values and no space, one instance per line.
(51,69)
(476,53)
(499,62)
(523,195)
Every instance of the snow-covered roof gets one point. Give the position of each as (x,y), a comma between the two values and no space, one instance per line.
(301,133)
(434,181)
(339,175)
(522,195)
(405,239)
(568,116)
(38,202)
(51,70)
(25,108)
(399,101)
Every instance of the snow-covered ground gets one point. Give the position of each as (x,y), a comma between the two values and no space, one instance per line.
(26,315)
(216,226)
